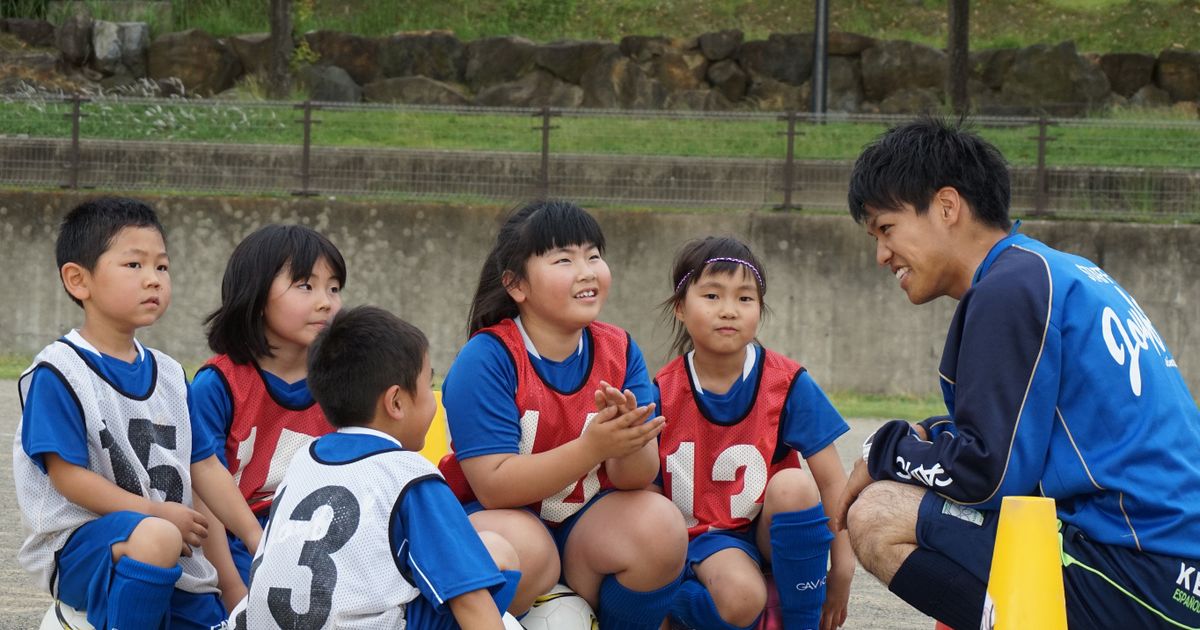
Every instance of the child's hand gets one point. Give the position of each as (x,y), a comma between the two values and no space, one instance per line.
(612,434)
(191,524)
(609,396)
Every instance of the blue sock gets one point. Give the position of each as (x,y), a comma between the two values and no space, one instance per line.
(693,605)
(139,595)
(623,609)
(504,596)
(799,558)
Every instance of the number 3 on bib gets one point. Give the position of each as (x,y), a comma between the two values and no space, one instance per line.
(681,466)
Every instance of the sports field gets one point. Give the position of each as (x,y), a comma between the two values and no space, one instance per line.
(22,604)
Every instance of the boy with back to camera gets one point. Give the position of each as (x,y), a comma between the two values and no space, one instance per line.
(104,459)
(363,529)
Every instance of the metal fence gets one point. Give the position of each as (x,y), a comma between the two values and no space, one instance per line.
(1080,168)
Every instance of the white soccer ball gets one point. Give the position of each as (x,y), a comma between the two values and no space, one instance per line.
(560,609)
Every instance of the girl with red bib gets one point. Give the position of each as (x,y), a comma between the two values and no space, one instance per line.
(741,418)
(552,427)
(282,285)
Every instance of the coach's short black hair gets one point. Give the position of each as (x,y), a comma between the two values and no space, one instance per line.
(88,230)
(364,351)
(910,162)
(236,328)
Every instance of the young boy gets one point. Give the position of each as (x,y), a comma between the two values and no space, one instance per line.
(363,529)
(104,459)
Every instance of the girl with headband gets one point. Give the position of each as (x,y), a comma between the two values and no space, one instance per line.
(740,418)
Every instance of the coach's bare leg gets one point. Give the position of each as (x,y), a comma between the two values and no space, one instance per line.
(883,526)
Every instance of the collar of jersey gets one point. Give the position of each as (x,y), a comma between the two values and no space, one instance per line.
(747,367)
(78,341)
(529,342)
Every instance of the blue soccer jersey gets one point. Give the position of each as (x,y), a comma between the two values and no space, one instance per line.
(480,391)
(1057,384)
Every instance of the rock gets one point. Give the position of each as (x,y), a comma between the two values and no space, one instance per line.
(911,101)
(891,66)
(787,58)
(536,89)
(844,90)
(990,66)
(36,33)
(642,48)
(728,78)
(75,39)
(771,95)
(496,60)
(1150,96)
(843,44)
(135,46)
(106,47)
(253,50)
(1178,73)
(569,60)
(330,84)
(1055,79)
(202,63)
(438,55)
(120,47)
(358,56)
(1127,72)
(416,91)
(619,82)
(720,45)
(698,101)
(677,73)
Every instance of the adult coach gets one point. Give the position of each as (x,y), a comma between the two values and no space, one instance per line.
(1056,384)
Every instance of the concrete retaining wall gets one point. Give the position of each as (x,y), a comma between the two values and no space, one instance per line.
(831,307)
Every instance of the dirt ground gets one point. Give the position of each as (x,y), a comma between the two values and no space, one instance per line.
(22,604)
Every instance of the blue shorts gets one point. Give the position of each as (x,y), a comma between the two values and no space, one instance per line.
(422,614)
(1107,586)
(559,533)
(85,562)
(710,542)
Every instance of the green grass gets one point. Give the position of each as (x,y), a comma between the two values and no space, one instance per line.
(881,407)
(1095,25)
(12,365)
(1122,140)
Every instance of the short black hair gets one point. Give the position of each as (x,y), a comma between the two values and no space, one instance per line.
(236,328)
(364,351)
(691,261)
(910,162)
(88,230)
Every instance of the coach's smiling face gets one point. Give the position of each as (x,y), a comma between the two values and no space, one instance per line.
(922,250)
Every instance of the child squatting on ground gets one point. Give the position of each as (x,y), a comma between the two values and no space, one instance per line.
(740,416)
(361,522)
(105,460)
(282,285)
(563,482)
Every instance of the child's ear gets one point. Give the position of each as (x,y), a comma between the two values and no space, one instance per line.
(678,310)
(513,286)
(76,280)
(395,403)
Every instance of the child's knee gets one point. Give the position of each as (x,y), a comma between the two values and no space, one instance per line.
(791,489)
(154,541)
(739,596)
(502,551)
(660,531)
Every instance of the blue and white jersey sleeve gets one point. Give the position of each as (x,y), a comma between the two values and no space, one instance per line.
(637,378)
(1000,375)
(479,394)
(436,546)
(52,421)
(211,410)
(810,421)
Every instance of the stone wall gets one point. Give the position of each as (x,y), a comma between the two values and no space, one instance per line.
(713,71)
(830,305)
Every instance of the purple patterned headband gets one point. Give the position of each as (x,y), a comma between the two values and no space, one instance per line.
(684,279)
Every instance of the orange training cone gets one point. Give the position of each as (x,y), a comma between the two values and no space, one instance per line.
(1025,588)
(437,439)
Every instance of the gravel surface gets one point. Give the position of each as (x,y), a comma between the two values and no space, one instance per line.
(22,604)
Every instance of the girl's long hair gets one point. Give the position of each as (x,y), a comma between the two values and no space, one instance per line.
(236,328)
(531,230)
(690,263)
